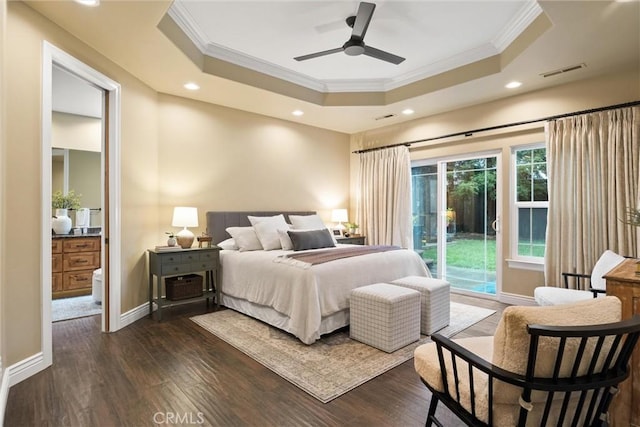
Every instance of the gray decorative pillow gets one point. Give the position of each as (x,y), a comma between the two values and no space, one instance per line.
(312,239)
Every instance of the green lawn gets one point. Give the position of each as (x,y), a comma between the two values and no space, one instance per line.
(468,253)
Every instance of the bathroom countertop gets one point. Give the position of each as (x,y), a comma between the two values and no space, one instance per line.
(71,235)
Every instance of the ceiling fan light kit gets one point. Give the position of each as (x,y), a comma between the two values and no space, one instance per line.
(355,45)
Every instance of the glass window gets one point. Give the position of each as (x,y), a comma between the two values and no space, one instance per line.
(531,201)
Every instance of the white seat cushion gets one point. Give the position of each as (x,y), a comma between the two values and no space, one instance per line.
(550,295)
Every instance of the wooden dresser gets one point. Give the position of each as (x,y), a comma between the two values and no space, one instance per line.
(73,261)
(623,282)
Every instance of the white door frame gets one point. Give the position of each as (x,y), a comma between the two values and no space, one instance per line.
(53,55)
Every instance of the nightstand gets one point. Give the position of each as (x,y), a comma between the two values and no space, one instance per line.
(352,240)
(163,264)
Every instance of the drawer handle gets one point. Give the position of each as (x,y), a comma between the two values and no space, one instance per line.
(81,279)
(84,245)
(81,261)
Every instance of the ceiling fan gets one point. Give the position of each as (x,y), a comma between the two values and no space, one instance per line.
(355,45)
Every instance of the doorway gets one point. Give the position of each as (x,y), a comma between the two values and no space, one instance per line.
(110,183)
(456,202)
(78,143)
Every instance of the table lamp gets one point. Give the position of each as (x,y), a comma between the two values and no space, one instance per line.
(185,217)
(339,216)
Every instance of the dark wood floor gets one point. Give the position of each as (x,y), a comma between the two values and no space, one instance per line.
(175,373)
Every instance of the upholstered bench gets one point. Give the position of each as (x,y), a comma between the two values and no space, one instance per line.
(385,316)
(435,304)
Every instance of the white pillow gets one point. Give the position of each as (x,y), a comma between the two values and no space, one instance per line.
(245,238)
(229,245)
(285,240)
(306,222)
(607,261)
(267,232)
(256,219)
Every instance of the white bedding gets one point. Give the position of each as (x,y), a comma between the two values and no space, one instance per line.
(306,296)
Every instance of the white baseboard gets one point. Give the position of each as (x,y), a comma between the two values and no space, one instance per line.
(26,368)
(515,299)
(134,314)
(4,392)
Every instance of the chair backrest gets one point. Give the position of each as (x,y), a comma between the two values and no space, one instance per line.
(597,364)
(584,339)
(607,261)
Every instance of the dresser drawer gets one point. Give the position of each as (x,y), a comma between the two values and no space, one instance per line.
(56,282)
(56,263)
(77,280)
(81,261)
(81,244)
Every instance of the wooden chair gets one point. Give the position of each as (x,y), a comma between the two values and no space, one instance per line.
(555,365)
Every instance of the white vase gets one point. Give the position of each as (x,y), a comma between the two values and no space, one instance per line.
(61,224)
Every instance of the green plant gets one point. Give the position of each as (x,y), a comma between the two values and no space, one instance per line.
(632,217)
(71,200)
(351,225)
(171,234)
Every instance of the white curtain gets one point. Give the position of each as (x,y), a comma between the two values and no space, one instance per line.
(594,168)
(384,201)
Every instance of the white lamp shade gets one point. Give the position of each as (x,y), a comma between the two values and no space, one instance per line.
(185,217)
(339,215)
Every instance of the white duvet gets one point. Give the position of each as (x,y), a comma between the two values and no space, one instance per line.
(307,295)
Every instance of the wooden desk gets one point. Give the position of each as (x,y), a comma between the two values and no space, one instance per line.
(623,283)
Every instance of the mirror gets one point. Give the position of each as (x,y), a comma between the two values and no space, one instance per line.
(76,160)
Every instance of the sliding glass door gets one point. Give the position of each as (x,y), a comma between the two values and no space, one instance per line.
(455,209)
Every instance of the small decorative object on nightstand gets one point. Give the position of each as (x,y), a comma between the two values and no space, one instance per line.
(352,240)
(204,241)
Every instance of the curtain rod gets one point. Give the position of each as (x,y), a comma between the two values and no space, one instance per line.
(526,122)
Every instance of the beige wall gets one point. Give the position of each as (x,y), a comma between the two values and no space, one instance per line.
(84,177)
(173,152)
(76,132)
(216,158)
(3,141)
(587,94)
(26,31)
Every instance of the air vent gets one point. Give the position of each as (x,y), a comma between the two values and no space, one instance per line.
(563,70)
(387,116)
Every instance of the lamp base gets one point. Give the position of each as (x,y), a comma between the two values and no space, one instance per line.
(185,238)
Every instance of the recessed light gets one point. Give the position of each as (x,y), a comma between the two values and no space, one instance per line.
(513,85)
(407,111)
(191,86)
(90,3)
(297,112)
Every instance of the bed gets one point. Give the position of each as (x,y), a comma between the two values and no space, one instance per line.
(304,300)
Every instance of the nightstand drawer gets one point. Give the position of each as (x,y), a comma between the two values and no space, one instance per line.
(170,269)
(203,265)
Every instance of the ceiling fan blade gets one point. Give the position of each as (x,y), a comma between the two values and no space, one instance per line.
(381,54)
(317,54)
(365,12)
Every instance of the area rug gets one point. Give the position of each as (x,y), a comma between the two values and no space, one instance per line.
(72,308)
(332,365)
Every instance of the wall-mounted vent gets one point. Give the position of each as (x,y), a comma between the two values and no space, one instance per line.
(386,116)
(563,70)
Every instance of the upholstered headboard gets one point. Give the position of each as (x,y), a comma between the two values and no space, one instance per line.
(217,222)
